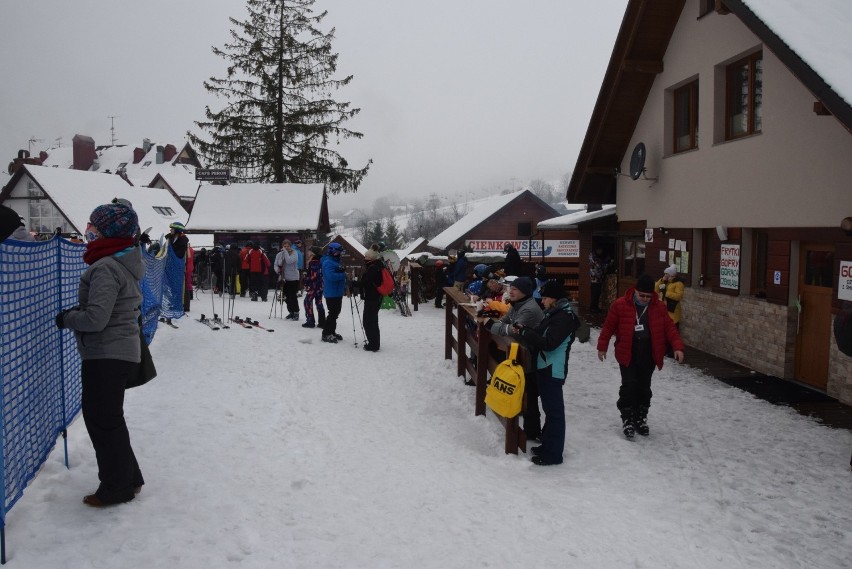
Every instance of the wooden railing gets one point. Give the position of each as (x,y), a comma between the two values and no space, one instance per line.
(462,331)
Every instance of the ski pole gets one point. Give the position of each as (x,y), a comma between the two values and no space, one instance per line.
(212,293)
(360,321)
(352,311)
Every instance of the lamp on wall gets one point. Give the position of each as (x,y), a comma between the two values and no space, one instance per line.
(722,232)
(846,225)
(663,230)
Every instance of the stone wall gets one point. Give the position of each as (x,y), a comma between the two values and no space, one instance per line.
(748,331)
(839,372)
(756,334)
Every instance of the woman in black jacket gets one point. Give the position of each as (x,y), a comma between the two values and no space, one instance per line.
(551,343)
(370,281)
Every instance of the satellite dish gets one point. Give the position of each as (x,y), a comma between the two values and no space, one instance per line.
(637,161)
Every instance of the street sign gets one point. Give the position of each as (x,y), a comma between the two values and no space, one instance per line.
(213,174)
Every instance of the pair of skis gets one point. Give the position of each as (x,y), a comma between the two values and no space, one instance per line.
(249,323)
(209,323)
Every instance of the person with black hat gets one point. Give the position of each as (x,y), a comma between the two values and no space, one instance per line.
(106,326)
(12,226)
(334,287)
(642,328)
(526,312)
(513,265)
(314,289)
(369,283)
(550,343)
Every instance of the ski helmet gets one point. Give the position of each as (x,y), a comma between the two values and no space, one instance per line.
(480,270)
(475,288)
(335,249)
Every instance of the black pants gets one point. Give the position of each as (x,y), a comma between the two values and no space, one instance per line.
(439,296)
(595,303)
(103,414)
(532,414)
(291,296)
(244,281)
(334,305)
(634,395)
(258,285)
(371,323)
(553,403)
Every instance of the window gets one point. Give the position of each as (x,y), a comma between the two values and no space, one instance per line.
(524,229)
(743,114)
(164,210)
(147,163)
(819,268)
(633,257)
(43,216)
(685,117)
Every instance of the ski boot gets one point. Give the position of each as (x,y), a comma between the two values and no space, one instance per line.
(628,428)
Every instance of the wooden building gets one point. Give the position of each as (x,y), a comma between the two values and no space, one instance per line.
(264,214)
(751,210)
(513,218)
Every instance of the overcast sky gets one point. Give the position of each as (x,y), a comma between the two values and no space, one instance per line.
(457,97)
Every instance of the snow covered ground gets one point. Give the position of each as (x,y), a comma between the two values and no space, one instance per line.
(271,450)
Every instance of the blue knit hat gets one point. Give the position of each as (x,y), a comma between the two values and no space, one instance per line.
(115,220)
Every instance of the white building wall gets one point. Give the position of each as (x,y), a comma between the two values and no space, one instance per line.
(793,174)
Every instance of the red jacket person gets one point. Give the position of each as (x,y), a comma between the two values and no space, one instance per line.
(642,328)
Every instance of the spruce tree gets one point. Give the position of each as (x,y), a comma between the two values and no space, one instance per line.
(375,234)
(392,236)
(279,118)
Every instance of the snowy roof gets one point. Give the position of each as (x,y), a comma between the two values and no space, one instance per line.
(410,247)
(483,210)
(281,208)
(818,32)
(571,220)
(76,193)
(354,243)
(179,176)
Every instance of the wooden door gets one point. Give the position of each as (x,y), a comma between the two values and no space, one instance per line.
(816,278)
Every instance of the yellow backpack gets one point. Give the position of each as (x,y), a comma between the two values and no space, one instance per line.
(505,393)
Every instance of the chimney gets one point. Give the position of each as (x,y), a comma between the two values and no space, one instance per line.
(169,153)
(138,155)
(83,151)
(95,165)
(160,152)
(146,144)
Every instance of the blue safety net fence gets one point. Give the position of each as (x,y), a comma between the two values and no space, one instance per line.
(39,364)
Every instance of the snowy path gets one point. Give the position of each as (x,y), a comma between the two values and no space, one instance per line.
(277,450)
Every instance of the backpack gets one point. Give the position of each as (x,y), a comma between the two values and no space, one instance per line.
(505,392)
(583,332)
(843,329)
(386,287)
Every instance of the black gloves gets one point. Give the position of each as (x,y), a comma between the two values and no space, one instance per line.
(60,322)
(144,238)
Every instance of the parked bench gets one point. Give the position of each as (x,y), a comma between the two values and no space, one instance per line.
(486,353)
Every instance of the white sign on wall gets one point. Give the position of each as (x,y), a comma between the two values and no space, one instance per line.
(729,267)
(569,248)
(844,283)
